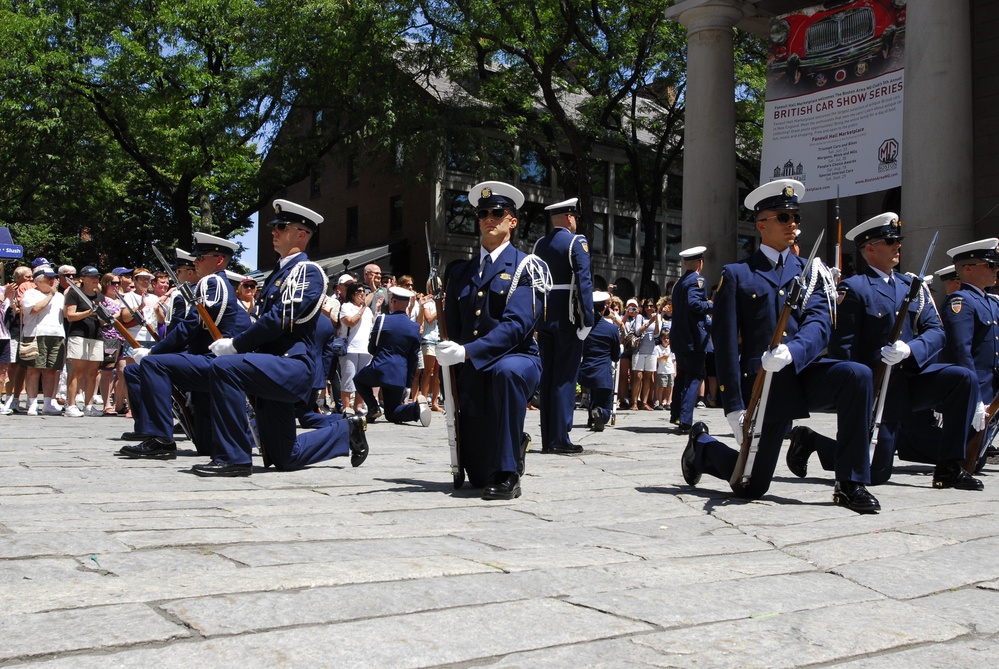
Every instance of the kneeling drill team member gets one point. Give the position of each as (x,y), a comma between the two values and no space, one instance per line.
(182,358)
(868,303)
(750,297)
(492,306)
(272,361)
(567,320)
(394,346)
(601,349)
(971,320)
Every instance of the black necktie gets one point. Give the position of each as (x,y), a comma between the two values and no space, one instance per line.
(780,262)
(486,262)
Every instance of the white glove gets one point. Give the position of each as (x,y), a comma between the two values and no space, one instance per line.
(735,419)
(139,353)
(896,353)
(449,353)
(978,422)
(222,347)
(836,273)
(777,359)
(583,332)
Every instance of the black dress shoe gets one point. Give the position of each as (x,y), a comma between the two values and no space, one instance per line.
(688,461)
(855,497)
(506,487)
(152,448)
(219,468)
(525,445)
(133,436)
(799,451)
(682,428)
(570,449)
(358,442)
(952,475)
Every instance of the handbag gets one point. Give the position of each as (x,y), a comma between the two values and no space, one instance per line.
(112,347)
(631,342)
(27,350)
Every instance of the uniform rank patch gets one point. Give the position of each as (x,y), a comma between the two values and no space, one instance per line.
(585,247)
(841,296)
(700,283)
(956,304)
(505,276)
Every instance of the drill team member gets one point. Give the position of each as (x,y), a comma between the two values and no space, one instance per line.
(601,350)
(689,336)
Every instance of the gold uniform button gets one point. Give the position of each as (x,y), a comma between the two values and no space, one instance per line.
(478,312)
(475,332)
(480,293)
(781,292)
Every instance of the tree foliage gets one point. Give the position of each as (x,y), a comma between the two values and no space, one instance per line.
(136,121)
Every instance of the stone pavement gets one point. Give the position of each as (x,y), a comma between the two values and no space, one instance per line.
(607,560)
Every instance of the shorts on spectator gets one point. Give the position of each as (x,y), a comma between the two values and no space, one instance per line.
(78,348)
(51,353)
(6,348)
(664,380)
(429,350)
(644,363)
(419,360)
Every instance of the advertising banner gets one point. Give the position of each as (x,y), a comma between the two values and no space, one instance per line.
(835,87)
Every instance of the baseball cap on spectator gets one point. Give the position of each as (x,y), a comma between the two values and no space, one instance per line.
(631,302)
(142,271)
(89,270)
(39,261)
(344,278)
(248,279)
(44,270)
(118,271)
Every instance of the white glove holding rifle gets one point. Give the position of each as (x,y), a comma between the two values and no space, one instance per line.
(735,420)
(981,418)
(895,353)
(777,359)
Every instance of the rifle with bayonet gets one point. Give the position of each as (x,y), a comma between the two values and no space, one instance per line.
(975,450)
(757,406)
(449,379)
(192,298)
(138,318)
(882,373)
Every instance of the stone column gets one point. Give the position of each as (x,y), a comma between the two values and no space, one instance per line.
(709,186)
(937,149)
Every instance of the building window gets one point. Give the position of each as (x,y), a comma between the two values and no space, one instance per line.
(459,217)
(598,233)
(654,228)
(352,175)
(598,178)
(353,220)
(674,192)
(395,214)
(624,184)
(624,235)
(673,242)
(532,224)
(315,181)
(534,168)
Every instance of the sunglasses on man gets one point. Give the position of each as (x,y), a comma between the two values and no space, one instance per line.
(281,227)
(783,217)
(497,212)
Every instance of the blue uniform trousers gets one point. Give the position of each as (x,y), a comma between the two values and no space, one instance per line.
(133,382)
(689,370)
(560,358)
(395,410)
(231,377)
(600,399)
(158,375)
(493,408)
(843,387)
(946,388)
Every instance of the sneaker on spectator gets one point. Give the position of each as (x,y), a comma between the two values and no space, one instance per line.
(4,411)
(72,411)
(32,409)
(98,399)
(92,411)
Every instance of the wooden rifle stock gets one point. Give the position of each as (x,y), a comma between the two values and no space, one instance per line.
(974,449)
(754,399)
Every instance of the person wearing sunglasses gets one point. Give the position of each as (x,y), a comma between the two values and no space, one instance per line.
(274,362)
(971,320)
(689,337)
(917,384)
(490,320)
(568,319)
(750,297)
(182,359)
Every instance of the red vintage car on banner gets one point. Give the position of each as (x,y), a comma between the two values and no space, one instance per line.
(836,42)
